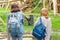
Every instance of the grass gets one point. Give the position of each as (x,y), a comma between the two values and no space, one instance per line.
(55,37)
(4,10)
(56,23)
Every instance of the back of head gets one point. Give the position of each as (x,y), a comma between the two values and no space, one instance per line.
(15,7)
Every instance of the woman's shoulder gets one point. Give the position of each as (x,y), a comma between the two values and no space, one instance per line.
(49,18)
(21,13)
(45,18)
(40,18)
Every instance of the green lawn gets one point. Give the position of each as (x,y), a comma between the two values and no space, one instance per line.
(55,37)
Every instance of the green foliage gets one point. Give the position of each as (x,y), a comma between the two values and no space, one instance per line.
(38,9)
(3,16)
(35,2)
(4,10)
(55,37)
(3,28)
(55,23)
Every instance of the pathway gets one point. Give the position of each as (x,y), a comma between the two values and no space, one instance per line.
(27,36)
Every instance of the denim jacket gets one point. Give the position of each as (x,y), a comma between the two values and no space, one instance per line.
(20,22)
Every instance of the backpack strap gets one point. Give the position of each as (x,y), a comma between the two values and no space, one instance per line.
(40,20)
(42,23)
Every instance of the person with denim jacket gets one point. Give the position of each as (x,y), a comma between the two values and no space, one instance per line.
(15,9)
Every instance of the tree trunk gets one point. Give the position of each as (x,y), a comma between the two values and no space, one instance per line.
(54,6)
(43,3)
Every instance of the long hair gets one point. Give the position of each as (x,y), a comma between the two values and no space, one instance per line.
(15,7)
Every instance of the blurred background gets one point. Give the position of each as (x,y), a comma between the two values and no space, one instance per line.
(31,8)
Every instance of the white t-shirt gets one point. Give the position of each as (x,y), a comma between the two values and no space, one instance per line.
(48,25)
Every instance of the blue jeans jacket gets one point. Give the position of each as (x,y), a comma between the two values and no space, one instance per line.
(19,14)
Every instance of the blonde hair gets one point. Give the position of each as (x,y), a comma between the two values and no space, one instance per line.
(42,11)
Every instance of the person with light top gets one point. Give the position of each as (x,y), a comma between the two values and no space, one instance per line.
(46,20)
